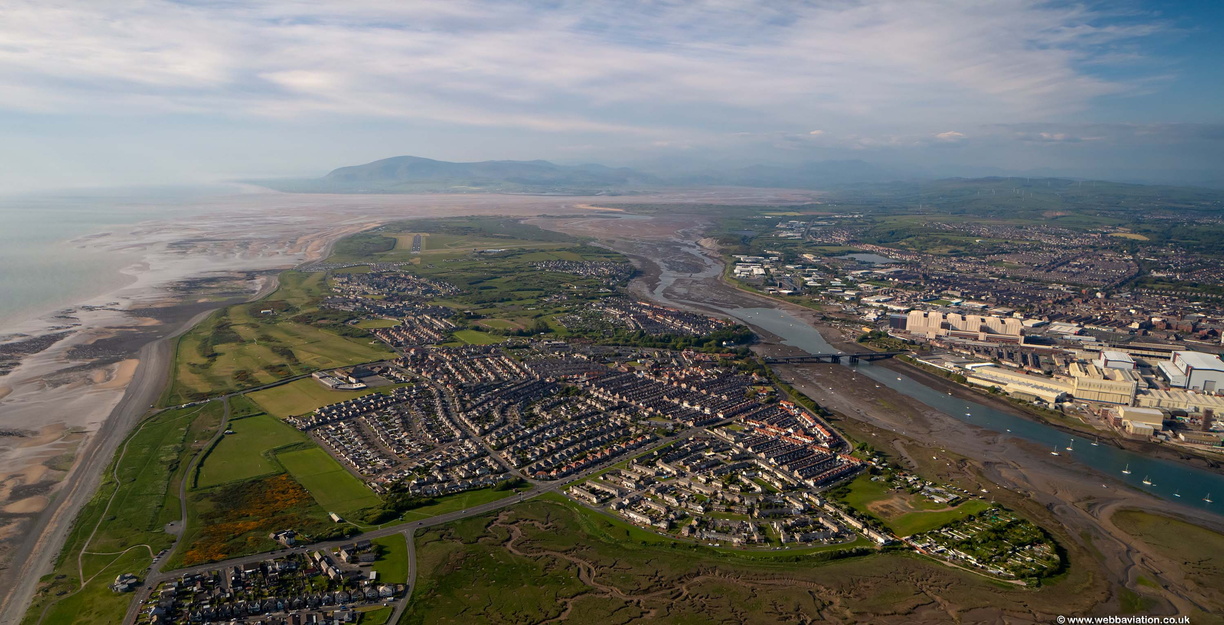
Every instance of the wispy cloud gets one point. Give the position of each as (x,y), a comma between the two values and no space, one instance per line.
(659,69)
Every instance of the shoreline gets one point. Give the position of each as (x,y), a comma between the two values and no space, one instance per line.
(151,371)
(67,407)
(116,361)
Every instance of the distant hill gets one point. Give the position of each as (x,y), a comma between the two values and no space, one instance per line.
(853,180)
(411,174)
(811,175)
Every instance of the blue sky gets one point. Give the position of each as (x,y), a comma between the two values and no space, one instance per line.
(94,92)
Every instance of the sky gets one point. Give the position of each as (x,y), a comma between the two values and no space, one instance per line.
(103,93)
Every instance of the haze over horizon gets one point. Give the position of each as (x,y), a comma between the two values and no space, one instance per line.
(160,92)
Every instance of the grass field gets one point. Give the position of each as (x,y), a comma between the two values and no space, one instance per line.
(246,453)
(128,514)
(334,488)
(377,616)
(458,501)
(238,347)
(906,514)
(500,324)
(476,337)
(919,522)
(300,397)
(242,406)
(371,324)
(392,565)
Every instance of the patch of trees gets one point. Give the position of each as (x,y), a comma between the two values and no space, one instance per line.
(396,501)
(510,484)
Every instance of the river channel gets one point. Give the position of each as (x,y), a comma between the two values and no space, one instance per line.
(1169,480)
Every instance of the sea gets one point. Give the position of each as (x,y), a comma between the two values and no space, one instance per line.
(42,268)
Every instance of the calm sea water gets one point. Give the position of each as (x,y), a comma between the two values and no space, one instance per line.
(41,271)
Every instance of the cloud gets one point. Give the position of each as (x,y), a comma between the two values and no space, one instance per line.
(950,136)
(566,66)
(816,133)
(1127,135)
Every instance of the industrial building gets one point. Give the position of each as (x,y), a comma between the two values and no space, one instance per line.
(1141,421)
(935,324)
(1106,385)
(1111,359)
(1180,400)
(1021,384)
(1194,371)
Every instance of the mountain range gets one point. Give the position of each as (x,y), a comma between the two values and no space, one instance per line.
(412,174)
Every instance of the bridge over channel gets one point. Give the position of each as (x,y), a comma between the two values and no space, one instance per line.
(832,358)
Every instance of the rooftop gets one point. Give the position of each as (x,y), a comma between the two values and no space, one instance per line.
(1199,360)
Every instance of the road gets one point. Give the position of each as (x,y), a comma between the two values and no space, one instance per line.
(402,605)
(409,529)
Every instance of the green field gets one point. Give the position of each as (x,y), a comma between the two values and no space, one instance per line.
(392,565)
(246,453)
(240,347)
(126,519)
(905,514)
(476,337)
(377,616)
(371,324)
(919,522)
(242,406)
(458,501)
(500,324)
(330,484)
(300,397)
